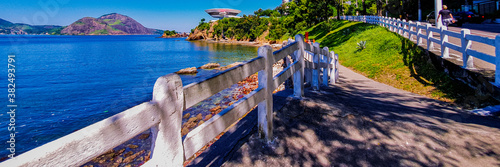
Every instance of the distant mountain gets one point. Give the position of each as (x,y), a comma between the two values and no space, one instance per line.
(109,24)
(7,27)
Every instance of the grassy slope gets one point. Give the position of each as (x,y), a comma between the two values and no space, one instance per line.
(393,60)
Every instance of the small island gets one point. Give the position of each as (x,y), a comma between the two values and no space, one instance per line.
(173,34)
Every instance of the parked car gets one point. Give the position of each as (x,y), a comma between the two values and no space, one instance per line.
(469,16)
(431,18)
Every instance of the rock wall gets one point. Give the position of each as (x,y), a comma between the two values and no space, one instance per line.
(482,81)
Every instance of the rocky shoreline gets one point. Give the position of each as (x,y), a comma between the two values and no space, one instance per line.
(178,35)
(207,35)
(137,150)
(245,43)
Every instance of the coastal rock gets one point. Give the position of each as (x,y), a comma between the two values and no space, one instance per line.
(193,119)
(184,131)
(132,157)
(210,66)
(229,66)
(132,146)
(186,116)
(199,117)
(207,117)
(128,154)
(197,35)
(215,110)
(191,70)
(201,122)
(146,158)
(119,160)
(143,136)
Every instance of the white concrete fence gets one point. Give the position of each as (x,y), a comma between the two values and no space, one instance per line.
(412,30)
(170,98)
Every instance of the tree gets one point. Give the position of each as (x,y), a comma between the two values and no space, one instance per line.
(364,7)
(267,12)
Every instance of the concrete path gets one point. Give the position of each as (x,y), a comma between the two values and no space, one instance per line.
(360,122)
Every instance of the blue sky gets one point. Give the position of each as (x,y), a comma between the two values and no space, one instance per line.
(179,15)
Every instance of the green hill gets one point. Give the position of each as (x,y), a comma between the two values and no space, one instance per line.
(7,27)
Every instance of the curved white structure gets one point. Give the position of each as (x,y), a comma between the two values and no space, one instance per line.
(222,13)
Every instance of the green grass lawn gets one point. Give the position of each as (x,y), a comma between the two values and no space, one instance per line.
(391,59)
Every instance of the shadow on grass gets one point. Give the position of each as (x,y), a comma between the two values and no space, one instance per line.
(418,63)
(344,33)
(321,30)
(333,33)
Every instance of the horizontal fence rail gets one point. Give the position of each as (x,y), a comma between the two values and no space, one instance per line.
(163,114)
(466,38)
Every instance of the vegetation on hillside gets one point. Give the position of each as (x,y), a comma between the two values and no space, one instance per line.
(282,22)
(7,27)
(393,60)
(169,33)
(288,19)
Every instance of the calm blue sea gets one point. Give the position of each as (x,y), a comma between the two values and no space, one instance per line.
(64,83)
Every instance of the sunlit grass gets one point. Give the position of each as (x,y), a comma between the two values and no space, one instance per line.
(391,59)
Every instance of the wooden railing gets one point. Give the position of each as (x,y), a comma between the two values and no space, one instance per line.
(163,115)
(414,29)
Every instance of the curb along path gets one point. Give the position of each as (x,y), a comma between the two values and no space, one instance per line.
(360,122)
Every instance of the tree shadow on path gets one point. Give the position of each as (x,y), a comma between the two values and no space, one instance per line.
(357,124)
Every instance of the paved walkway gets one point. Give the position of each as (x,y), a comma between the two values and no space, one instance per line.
(360,122)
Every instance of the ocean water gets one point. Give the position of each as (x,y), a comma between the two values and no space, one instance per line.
(64,83)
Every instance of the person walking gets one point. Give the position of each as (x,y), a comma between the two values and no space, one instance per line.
(446,16)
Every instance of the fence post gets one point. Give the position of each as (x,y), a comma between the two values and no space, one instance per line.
(381,21)
(308,71)
(398,26)
(315,71)
(466,44)
(445,51)
(336,57)
(430,46)
(419,32)
(326,70)
(167,145)
(298,77)
(410,29)
(333,68)
(403,23)
(386,23)
(402,26)
(391,24)
(497,60)
(265,108)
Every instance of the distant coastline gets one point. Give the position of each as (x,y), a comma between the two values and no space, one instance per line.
(109,24)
